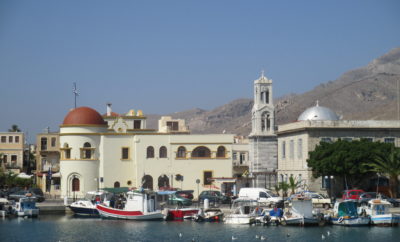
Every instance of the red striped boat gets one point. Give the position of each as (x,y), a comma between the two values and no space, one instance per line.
(138,206)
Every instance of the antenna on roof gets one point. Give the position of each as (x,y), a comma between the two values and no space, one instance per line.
(75,91)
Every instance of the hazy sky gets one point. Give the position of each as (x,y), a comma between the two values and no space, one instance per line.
(168,56)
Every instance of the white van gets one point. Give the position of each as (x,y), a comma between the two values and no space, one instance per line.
(259,194)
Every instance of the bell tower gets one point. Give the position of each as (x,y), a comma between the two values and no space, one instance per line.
(262,139)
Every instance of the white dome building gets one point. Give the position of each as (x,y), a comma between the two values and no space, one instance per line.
(318,113)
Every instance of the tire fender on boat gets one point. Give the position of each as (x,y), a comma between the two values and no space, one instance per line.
(340,219)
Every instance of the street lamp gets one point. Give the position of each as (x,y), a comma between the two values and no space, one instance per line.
(198,200)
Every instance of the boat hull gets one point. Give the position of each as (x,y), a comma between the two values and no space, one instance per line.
(84,211)
(28,212)
(107,212)
(239,219)
(356,221)
(180,214)
(385,219)
(300,221)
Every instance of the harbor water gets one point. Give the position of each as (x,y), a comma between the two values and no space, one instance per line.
(69,228)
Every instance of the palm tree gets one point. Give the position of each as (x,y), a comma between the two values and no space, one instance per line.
(293,184)
(14,128)
(277,188)
(389,165)
(284,186)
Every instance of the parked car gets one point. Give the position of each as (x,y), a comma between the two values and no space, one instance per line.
(176,199)
(316,198)
(214,196)
(260,194)
(186,194)
(352,194)
(365,197)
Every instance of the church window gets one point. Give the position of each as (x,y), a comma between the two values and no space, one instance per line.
(137,124)
(267,97)
(181,152)
(116,184)
(201,152)
(326,140)
(86,151)
(75,184)
(221,152)
(389,140)
(163,152)
(300,148)
(283,149)
(67,151)
(268,123)
(125,153)
(291,151)
(207,175)
(150,152)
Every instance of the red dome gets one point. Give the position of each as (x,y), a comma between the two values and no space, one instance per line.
(83,116)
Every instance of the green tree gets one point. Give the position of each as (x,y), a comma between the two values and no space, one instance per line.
(346,159)
(14,128)
(390,166)
(293,184)
(284,186)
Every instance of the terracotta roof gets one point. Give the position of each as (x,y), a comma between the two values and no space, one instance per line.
(113,114)
(83,116)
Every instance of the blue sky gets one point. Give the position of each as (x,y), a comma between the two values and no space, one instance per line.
(168,56)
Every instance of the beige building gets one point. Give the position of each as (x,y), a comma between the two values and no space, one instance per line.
(12,149)
(48,162)
(318,124)
(117,150)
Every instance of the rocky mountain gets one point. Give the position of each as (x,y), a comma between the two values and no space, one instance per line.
(370,92)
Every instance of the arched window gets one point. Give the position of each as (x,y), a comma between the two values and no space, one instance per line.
(163,181)
(201,152)
(181,152)
(67,151)
(86,151)
(75,184)
(147,182)
(265,121)
(116,184)
(150,152)
(221,152)
(163,152)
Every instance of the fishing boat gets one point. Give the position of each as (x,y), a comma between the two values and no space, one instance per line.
(139,205)
(26,206)
(345,213)
(242,212)
(209,215)
(87,206)
(301,213)
(378,210)
(181,213)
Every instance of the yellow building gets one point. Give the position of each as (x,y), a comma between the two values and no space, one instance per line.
(12,149)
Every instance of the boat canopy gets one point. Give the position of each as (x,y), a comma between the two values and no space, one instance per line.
(116,189)
(166,192)
(348,208)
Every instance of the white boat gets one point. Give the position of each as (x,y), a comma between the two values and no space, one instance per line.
(26,206)
(243,212)
(345,213)
(87,206)
(301,213)
(139,205)
(5,207)
(378,210)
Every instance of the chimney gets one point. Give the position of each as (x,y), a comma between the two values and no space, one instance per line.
(108,109)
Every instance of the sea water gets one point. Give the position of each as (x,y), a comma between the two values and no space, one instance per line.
(69,228)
